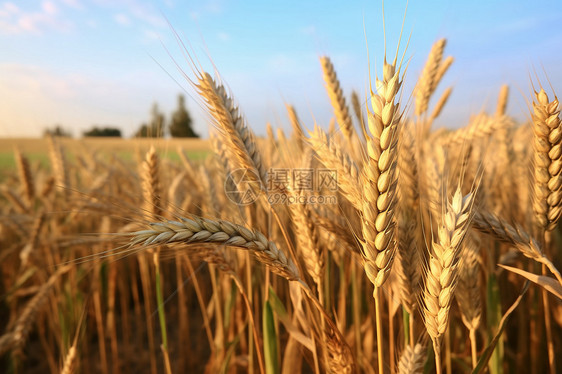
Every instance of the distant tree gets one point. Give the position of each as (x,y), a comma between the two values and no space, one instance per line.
(57,130)
(180,126)
(103,131)
(155,128)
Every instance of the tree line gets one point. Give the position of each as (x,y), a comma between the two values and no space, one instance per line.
(180,125)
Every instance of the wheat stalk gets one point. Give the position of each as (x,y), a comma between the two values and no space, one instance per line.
(15,339)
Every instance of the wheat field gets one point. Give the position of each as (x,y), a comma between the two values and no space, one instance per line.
(373,244)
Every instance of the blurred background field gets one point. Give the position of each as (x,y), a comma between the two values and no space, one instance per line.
(37,149)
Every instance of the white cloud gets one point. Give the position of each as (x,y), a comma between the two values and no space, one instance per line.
(14,20)
(72,3)
(76,100)
(122,19)
(49,7)
(151,35)
(137,9)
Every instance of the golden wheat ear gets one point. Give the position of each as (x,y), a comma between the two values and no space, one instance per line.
(195,230)
(444,265)
(239,139)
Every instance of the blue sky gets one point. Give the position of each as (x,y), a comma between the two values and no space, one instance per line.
(85,62)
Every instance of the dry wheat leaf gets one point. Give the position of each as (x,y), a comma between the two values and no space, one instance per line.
(549,284)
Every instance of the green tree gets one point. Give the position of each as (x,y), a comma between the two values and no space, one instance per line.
(57,130)
(181,124)
(155,128)
(103,131)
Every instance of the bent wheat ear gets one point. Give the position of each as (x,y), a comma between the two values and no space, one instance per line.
(195,230)
(236,134)
(493,225)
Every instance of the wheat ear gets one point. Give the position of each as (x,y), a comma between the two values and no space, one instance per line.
(481,127)
(513,234)
(337,99)
(69,361)
(412,360)
(202,230)
(547,184)
(58,163)
(440,104)
(307,236)
(468,291)
(236,134)
(151,183)
(379,179)
(502,100)
(15,339)
(408,269)
(26,178)
(356,104)
(547,162)
(428,79)
(296,125)
(333,157)
(442,272)
(379,189)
